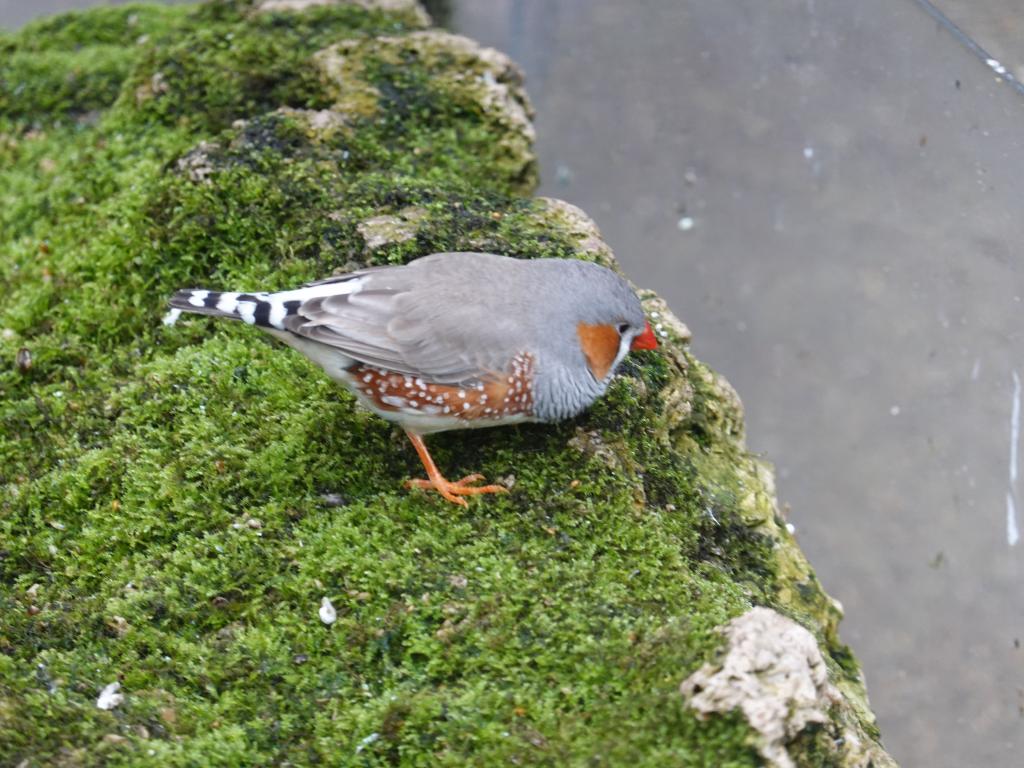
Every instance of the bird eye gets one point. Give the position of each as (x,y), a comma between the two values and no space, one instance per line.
(623,329)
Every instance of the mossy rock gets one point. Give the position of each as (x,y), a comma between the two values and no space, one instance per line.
(175,502)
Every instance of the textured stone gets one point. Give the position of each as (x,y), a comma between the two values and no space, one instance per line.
(383,230)
(774,674)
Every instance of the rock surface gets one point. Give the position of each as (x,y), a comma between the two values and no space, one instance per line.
(176,501)
(773,672)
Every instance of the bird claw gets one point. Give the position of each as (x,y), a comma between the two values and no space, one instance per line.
(453,491)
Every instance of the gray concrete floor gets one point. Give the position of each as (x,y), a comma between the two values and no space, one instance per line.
(853,178)
(996,25)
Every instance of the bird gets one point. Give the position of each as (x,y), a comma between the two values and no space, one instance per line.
(455,340)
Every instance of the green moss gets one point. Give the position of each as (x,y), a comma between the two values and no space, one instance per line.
(232,65)
(61,83)
(163,520)
(120,26)
(445,106)
(70,65)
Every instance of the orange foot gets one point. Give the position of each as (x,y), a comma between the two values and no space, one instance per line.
(451,491)
(454,490)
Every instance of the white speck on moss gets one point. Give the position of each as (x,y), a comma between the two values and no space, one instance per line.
(671,326)
(367,742)
(172,317)
(327,613)
(773,672)
(110,697)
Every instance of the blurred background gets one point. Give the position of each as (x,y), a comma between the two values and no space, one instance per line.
(829,194)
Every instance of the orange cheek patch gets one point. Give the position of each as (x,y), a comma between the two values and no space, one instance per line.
(600,344)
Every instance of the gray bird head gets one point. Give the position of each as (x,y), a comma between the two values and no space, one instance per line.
(596,320)
(605,298)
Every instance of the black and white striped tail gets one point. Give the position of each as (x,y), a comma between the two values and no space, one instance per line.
(267,310)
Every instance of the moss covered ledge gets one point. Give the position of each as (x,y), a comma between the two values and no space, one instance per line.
(177,502)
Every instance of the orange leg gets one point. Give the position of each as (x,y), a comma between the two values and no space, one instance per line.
(451,491)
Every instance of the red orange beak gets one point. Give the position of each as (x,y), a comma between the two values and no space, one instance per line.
(645,340)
